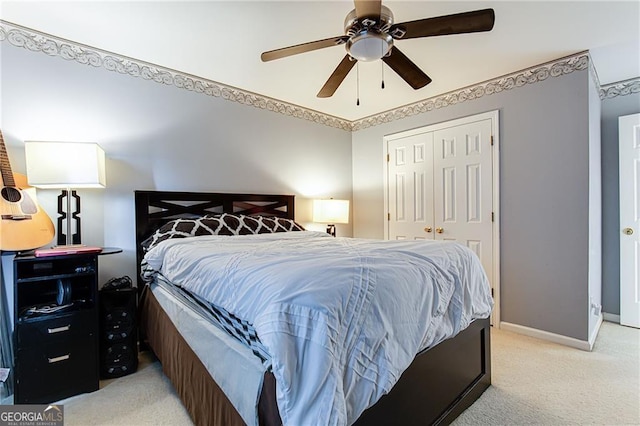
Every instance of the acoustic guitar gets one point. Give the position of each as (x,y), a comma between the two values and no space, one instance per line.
(24,225)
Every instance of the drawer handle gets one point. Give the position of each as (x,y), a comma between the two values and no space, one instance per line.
(58,329)
(59,358)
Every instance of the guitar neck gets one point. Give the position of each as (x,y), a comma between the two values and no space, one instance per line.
(5,166)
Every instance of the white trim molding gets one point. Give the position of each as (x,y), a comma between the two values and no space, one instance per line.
(585,345)
(35,41)
(611,317)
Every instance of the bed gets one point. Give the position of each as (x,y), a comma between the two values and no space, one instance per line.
(437,386)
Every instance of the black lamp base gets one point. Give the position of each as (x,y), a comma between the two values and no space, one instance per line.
(331,230)
(69,217)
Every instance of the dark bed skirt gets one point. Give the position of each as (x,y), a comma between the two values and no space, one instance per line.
(201,396)
(439,385)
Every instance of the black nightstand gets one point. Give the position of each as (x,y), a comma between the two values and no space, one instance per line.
(55,307)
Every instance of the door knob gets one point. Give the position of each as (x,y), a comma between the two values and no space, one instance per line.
(427,229)
(627,231)
(439,230)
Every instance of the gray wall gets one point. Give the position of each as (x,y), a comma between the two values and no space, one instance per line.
(544,191)
(611,110)
(160,137)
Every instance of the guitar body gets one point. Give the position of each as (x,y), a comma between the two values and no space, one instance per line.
(24,225)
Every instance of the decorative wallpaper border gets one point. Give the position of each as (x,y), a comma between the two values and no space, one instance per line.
(621,88)
(36,41)
(536,74)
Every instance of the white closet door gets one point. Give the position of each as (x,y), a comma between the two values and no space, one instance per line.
(442,183)
(629,135)
(463,188)
(410,191)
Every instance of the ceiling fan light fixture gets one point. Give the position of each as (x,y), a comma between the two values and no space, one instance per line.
(369,34)
(369,46)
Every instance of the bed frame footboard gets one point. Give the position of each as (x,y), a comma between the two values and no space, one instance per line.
(440,383)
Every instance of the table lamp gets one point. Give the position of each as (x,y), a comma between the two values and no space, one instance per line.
(66,165)
(331,212)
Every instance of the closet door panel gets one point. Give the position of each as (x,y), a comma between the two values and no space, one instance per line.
(410,187)
(463,187)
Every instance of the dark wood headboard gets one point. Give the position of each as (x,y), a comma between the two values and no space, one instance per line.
(155,208)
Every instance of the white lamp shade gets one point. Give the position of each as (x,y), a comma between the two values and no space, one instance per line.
(65,165)
(331,211)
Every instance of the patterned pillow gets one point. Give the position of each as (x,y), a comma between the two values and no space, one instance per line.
(223,224)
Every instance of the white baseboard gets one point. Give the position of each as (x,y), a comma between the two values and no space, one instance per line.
(552,337)
(611,317)
(594,333)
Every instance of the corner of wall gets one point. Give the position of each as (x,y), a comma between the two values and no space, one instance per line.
(595,206)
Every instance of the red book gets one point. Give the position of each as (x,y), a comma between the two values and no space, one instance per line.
(70,249)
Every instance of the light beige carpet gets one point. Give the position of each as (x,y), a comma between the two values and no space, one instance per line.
(537,382)
(534,382)
(143,398)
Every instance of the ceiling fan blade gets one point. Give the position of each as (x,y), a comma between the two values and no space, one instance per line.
(406,69)
(368,9)
(459,23)
(304,47)
(339,74)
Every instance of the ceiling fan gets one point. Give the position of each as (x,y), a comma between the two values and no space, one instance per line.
(370,34)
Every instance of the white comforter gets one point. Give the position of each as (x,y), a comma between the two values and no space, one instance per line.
(342,318)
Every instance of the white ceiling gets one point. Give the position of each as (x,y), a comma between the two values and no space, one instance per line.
(222,41)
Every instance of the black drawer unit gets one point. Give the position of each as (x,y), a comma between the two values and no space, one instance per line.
(55,327)
(118,332)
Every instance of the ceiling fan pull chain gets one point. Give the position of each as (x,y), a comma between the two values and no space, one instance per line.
(382,67)
(357,84)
